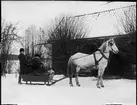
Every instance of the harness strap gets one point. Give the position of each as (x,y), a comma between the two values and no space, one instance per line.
(100,58)
(103,54)
(96,61)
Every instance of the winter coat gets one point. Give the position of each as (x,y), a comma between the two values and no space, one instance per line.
(23,63)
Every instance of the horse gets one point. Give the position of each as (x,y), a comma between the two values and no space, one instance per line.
(97,60)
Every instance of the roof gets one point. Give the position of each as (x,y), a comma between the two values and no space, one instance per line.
(91,38)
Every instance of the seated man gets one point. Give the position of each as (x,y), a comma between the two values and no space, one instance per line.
(36,62)
(38,66)
(41,69)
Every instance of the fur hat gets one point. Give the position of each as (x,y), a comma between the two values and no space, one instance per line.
(21,49)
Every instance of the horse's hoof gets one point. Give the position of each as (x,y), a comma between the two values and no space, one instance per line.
(71,85)
(79,85)
(19,83)
(98,86)
(102,85)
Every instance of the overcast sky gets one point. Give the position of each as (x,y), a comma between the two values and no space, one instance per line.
(43,12)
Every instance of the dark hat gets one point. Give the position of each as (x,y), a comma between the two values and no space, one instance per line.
(21,49)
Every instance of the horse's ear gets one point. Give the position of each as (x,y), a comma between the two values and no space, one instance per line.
(111,39)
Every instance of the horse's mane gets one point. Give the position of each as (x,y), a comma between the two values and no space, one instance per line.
(103,46)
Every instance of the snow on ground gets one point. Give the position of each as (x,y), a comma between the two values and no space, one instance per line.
(122,91)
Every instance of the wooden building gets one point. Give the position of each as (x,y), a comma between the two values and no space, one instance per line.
(119,64)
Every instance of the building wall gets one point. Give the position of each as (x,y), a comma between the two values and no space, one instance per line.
(61,51)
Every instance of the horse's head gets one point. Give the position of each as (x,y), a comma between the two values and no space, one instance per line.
(112,46)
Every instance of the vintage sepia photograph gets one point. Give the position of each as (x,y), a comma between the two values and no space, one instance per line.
(68,53)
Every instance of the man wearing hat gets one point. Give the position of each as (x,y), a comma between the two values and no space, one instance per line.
(23,64)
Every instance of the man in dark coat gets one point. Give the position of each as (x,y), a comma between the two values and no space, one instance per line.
(23,64)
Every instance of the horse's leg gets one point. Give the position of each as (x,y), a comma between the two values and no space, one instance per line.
(70,80)
(70,77)
(99,77)
(76,76)
(69,72)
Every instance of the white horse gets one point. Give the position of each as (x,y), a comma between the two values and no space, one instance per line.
(98,60)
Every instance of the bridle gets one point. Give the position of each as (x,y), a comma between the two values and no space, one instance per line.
(112,49)
(103,55)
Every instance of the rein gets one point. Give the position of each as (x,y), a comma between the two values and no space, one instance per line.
(81,57)
(94,56)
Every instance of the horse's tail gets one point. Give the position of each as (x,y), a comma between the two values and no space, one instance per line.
(69,68)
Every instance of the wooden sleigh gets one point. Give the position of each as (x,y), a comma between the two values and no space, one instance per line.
(34,78)
(37,77)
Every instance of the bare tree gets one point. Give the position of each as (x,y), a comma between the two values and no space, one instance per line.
(40,39)
(64,28)
(30,40)
(33,37)
(127,20)
(8,36)
(127,25)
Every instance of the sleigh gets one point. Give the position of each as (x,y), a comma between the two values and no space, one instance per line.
(34,76)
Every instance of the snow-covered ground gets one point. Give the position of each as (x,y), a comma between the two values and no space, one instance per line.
(121,91)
